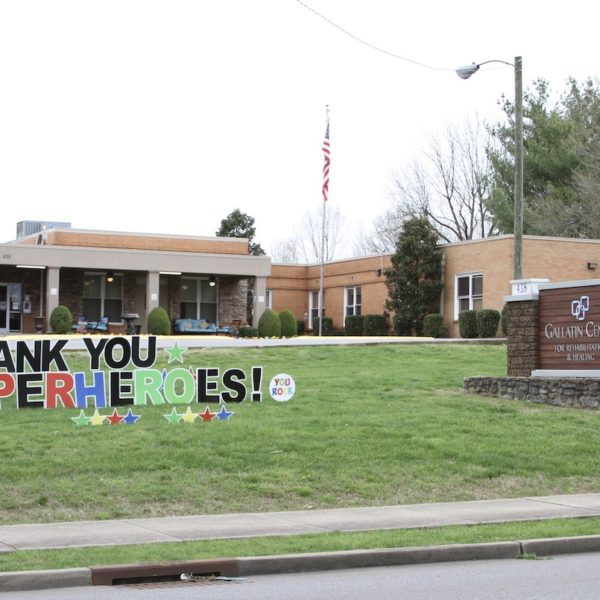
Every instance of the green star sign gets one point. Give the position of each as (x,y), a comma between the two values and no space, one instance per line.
(173,417)
(175,353)
(81,419)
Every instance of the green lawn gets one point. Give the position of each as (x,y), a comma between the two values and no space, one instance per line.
(296,544)
(374,425)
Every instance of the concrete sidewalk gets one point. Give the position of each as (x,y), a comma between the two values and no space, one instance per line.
(173,529)
(78,534)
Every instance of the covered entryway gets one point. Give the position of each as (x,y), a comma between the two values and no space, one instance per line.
(10,307)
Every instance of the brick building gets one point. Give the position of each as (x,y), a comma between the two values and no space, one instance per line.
(108,273)
(477,274)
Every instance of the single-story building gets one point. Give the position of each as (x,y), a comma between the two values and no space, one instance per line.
(477,274)
(99,273)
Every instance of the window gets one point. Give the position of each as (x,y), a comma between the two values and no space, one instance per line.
(313,307)
(469,293)
(102,298)
(198,299)
(269,303)
(352,301)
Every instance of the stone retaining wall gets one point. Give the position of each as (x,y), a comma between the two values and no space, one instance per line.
(579,392)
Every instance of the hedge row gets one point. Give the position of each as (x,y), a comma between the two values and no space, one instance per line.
(365,325)
(479,323)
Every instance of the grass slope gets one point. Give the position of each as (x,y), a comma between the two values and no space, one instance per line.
(373,425)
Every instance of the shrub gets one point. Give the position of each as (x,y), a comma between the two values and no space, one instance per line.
(374,325)
(353,325)
(403,326)
(433,326)
(61,320)
(300,327)
(289,327)
(487,322)
(248,332)
(504,319)
(269,324)
(467,324)
(158,322)
(327,326)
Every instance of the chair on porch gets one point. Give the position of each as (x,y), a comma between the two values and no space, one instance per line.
(233,329)
(100,326)
(81,325)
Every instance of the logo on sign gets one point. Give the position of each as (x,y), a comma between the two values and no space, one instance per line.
(580,307)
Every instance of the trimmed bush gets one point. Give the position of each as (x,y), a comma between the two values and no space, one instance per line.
(374,325)
(403,326)
(327,326)
(354,324)
(248,332)
(289,327)
(61,320)
(488,320)
(300,327)
(269,324)
(504,319)
(467,324)
(433,326)
(158,322)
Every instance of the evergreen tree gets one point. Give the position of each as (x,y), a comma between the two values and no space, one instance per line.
(558,140)
(240,225)
(415,279)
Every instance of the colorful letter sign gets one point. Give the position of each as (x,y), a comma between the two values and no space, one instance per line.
(122,374)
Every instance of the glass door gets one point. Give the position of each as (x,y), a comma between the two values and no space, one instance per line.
(3,308)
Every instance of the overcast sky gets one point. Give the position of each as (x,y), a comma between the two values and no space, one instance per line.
(156,116)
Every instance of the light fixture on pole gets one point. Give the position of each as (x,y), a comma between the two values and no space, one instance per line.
(464,73)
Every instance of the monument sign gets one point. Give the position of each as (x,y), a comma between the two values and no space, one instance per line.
(569,326)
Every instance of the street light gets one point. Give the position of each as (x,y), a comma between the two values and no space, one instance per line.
(464,73)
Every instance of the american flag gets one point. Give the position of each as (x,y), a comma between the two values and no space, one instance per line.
(326,165)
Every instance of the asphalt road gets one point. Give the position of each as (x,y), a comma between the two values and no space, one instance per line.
(569,577)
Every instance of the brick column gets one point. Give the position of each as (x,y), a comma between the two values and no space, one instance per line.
(522,338)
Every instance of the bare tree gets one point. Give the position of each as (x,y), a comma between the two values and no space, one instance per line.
(311,238)
(381,237)
(286,251)
(449,184)
(305,245)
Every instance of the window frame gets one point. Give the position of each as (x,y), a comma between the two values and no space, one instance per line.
(103,298)
(313,307)
(353,309)
(471,297)
(199,302)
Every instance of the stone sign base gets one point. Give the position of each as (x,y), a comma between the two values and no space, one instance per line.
(577,392)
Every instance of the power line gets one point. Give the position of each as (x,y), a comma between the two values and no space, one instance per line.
(368,44)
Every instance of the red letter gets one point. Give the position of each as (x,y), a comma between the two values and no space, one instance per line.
(58,385)
(8,384)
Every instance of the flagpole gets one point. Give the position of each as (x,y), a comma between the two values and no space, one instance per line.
(322,269)
(323,221)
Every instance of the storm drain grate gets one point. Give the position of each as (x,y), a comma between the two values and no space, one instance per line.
(174,573)
(196,581)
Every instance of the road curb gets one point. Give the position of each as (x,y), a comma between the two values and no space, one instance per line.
(326,561)
(566,545)
(298,563)
(19,581)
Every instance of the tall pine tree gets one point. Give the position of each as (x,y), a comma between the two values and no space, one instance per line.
(415,279)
